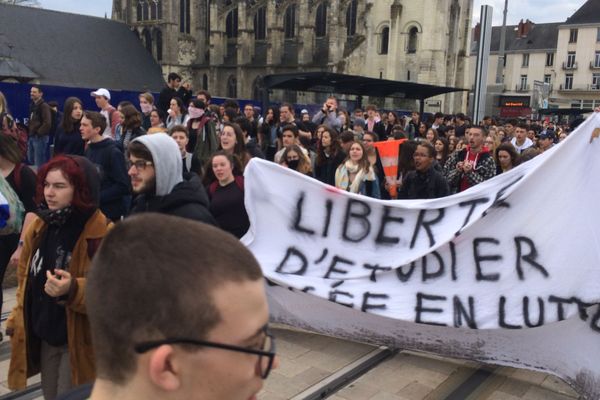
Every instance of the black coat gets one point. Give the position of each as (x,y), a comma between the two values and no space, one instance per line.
(188,199)
(424,185)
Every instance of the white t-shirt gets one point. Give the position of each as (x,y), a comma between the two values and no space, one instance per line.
(527,144)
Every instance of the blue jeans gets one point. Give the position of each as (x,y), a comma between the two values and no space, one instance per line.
(36,150)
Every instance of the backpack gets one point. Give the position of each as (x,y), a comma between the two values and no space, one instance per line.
(12,211)
(11,128)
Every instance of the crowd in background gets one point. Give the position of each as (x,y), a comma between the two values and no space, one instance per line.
(78,171)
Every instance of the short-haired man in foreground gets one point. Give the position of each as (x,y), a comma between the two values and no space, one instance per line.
(187,317)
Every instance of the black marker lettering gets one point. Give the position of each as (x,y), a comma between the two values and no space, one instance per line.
(560,311)
(298,217)
(427,226)
(332,267)
(460,312)
(426,274)
(328,207)
(473,203)
(385,219)
(366,306)
(292,251)
(479,258)
(405,276)
(419,309)
(453,260)
(540,321)
(502,315)
(323,256)
(361,218)
(530,257)
(374,269)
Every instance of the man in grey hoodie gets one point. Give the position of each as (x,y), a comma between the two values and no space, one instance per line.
(155,169)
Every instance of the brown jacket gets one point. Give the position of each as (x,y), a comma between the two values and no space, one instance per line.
(24,365)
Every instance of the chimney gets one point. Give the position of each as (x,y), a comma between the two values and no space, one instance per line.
(477,32)
(524,28)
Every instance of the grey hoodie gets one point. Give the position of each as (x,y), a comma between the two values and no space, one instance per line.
(167,161)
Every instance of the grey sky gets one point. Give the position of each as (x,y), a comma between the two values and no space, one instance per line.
(536,10)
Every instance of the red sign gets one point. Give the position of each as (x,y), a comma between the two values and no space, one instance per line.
(515,112)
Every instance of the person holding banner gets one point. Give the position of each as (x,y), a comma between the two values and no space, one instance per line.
(471,165)
(356,175)
(425,182)
(329,156)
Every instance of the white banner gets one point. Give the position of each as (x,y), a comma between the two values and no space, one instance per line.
(463,276)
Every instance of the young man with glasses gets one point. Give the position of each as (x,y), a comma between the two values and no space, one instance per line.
(155,168)
(186,319)
(108,159)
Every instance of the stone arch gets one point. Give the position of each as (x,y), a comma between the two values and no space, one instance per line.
(231,23)
(260,23)
(204,82)
(184,16)
(412,31)
(384,39)
(351,17)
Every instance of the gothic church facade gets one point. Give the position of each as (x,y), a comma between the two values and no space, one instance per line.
(226,45)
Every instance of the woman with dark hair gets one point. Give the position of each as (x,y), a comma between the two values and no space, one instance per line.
(67,139)
(391,121)
(345,120)
(268,135)
(506,157)
(406,162)
(177,113)
(431,135)
(356,175)
(329,156)
(157,123)
(293,158)
(422,130)
(49,327)
(225,189)
(131,126)
(22,180)
(233,143)
(442,151)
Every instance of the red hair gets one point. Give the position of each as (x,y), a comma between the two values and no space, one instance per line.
(74,173)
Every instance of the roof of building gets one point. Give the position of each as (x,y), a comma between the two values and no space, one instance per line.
(73,50)
(540,37)
(328,82)
(588,13)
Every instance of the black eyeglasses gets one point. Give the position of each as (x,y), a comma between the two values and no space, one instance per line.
(266,354)
(139,165)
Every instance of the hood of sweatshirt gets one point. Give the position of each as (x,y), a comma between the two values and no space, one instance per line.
(166,157)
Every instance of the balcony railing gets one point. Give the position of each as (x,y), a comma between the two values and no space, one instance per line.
(580,88)
(569,65)
(522,88)
(595,65)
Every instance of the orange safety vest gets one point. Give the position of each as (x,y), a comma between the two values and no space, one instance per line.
(388,153)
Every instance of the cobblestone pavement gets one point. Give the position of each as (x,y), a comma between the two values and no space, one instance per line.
(309,360)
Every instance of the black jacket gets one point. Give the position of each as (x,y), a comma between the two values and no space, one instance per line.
(424,185)
(188,199)
(114,181)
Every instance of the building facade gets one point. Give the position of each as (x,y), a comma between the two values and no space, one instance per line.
(563,55)
(225,46)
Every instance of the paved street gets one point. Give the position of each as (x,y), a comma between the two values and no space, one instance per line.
(313,364)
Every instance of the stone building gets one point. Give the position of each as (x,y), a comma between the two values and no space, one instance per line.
(225,45)
(563,55)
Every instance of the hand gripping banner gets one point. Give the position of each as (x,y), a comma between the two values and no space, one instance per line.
(507,272)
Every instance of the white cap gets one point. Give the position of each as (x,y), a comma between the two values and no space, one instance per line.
(101,92)
(304,111)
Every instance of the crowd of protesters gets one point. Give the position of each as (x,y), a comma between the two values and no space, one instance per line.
(182,155)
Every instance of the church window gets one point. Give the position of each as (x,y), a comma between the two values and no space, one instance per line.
(184,16)
(231,24)
(158,41)
(351,14)
(321,20)
(260,24)
(412,40)
(232,87)
(384,40)
(289,22)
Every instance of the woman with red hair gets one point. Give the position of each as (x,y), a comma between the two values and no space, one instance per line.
(49,328)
